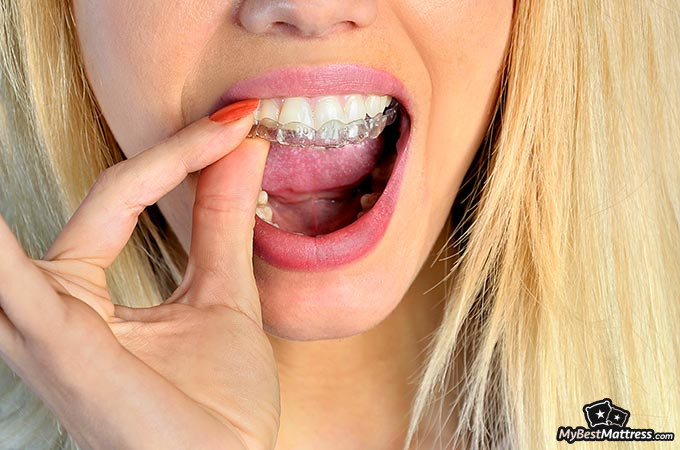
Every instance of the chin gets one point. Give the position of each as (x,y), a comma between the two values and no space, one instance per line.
(343,301)
(306,307)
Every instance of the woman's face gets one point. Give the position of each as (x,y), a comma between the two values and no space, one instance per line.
(155,66)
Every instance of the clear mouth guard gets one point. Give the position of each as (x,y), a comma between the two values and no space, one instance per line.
(332,134)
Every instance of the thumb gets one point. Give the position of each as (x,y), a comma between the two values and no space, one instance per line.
(220,266)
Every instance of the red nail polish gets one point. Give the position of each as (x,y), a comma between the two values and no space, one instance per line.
(235,111)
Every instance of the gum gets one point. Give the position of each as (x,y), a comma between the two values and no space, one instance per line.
(333,134)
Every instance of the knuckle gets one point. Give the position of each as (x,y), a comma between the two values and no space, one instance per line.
(183,164)
(178,139)
(212,268)
(107,177)
(218,204)
(110,183)
(72,325)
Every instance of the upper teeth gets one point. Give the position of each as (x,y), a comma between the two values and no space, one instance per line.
(314,112)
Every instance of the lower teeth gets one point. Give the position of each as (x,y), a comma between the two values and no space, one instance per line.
(332,134)
(265,212)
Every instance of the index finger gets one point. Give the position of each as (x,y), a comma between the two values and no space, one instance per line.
(104,222)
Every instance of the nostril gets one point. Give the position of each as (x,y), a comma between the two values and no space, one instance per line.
(307,18)
(281,27)
(342,26)
(286,28)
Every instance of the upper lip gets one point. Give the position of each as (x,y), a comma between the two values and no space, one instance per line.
(312,81)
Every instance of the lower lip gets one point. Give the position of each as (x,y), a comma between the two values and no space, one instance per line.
(346,245)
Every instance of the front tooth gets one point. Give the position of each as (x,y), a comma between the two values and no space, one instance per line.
(268,109)
(327,109)
(355,108)
(265,213)
(386,101)
(296,109)
(374,105)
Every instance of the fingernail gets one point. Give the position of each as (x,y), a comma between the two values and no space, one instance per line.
(235,111)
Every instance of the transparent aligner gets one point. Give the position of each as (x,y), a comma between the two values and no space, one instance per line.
(332,134)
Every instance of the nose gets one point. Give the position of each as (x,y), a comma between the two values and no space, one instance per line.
(308,18)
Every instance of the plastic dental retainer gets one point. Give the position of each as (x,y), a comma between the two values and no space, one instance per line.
(332,134)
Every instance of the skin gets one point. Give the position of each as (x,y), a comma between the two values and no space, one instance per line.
(155,70)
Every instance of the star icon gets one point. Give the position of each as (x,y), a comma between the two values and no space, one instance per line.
(600,414)
(617,417)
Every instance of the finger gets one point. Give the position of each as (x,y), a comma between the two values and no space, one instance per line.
(220,266)
(26,298)
(104,222)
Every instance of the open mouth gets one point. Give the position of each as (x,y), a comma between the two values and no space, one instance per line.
(339,145)
(330,159)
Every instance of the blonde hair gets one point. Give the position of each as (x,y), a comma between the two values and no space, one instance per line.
(567,279)
(566,282)
(53,144)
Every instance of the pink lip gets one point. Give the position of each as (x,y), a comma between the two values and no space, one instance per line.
(307,253)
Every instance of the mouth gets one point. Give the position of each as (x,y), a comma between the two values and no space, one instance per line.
(338,136)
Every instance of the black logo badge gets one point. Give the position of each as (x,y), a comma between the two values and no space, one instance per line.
(607,422)
(604,412)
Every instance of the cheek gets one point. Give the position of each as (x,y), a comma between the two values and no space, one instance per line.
(137,56)
(462,44)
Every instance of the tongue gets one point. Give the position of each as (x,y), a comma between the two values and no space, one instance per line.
(315,216)
(313,191)
(296,170)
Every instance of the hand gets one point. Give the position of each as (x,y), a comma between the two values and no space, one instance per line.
(194,372)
